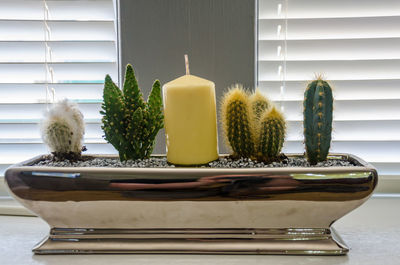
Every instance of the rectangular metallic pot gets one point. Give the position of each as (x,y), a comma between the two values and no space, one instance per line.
(286,210)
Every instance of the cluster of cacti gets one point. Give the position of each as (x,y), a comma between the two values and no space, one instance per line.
(131,124)
(63,129)
(252,126)
(318,106)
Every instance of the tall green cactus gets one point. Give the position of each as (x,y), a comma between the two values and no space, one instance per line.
(259,104)
(318,107)
(63,129)
(237,119)
(271,135)
(129,123)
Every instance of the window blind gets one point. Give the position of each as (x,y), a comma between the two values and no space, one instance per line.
(354,44)
(81,38)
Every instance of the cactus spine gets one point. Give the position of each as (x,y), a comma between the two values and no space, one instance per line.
(271,134)
(318,107)
(131,124)
(63,129)
(237,121)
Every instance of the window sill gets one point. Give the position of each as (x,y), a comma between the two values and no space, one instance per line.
(8,206)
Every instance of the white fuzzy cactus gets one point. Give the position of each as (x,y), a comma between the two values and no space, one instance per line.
(63,129)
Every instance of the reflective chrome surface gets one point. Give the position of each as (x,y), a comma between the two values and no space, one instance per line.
(192,210)
(227,241)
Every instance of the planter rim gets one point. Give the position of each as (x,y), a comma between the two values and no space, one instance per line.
(364,166)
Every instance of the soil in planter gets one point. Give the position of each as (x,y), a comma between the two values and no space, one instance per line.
(223,162)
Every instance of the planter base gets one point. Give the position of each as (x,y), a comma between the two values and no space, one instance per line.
(198,241)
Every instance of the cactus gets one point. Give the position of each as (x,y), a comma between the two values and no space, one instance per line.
(237,119)
(271,135)
(63,129)
(253,127)
(318,106)
(259,104)
(129,123)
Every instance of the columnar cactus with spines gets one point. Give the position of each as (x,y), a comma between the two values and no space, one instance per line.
(259,104)
(271,135)
(63,129)
(238,125)
(129,123)
(318,107)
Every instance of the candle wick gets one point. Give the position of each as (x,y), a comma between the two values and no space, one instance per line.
(187,64)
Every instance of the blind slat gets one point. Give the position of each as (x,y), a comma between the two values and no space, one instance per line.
(60,31)
(63,73)
(343,89)
(35,111)
(62,52)
(343,49)
(352,110)
(353,130)
(340,70)
(59,10)
(332,28)
(31,93)
(330,9)
(17,131)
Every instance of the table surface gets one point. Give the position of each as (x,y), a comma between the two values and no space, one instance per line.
(372,232)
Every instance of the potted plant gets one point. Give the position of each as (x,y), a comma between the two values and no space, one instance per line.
(256,200)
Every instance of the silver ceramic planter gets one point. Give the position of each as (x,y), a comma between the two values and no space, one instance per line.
(192,210)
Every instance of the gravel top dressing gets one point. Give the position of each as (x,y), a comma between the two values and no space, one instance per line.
(224,162)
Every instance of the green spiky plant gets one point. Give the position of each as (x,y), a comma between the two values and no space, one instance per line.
(62,131)
(318,107)
(252,126)
(271,134)
(259,104)
(131,124)
(237,121)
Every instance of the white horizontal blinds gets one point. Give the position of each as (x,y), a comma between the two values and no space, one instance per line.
(355,44)
(81,39)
